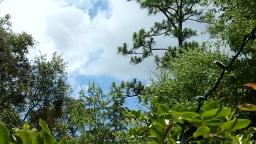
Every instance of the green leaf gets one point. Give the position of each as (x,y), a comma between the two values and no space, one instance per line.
(39,139)
(45,133)
(211,104)
(181,116)
(247,107)
(213,122)
(235,124)
(163,108)
(157,128)
(47,138)
(202,131)
(176,116)
(216,113)
(4,135)
(44,126)
(155,132)
(191,117)
(26,137)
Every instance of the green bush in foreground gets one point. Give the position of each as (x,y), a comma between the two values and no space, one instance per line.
(214,123)
(26,135)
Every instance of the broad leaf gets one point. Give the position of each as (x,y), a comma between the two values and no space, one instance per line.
(216,113)
(202,131)
(44,126)
(4,135)
(191,117)
(163,108)
(47,138)
(211,104)
(247,107)
(26,137)
(235,124)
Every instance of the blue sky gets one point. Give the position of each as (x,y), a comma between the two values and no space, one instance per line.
(86,33)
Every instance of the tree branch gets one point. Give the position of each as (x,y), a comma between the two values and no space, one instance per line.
(246,39)
(168,18)
(29,110)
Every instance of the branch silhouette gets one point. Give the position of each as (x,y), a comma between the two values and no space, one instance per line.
(249,37)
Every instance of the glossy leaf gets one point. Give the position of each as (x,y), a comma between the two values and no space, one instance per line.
(216,113)
(191,117)
(235,124)
(247,107)
(202,131)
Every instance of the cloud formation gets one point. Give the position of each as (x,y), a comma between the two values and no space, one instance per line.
(85,32)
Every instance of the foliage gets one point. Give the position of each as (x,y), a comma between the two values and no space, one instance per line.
(212,124)
(47,91)
(14,69)
(29,90)
(26,135)
(176,13)
(189,75)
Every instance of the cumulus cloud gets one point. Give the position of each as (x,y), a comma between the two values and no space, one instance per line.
(86,33)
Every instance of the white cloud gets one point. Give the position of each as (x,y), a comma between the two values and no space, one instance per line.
(88,45)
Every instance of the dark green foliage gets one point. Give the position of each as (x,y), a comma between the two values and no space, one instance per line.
(14,72)
(176,13)
(47,91)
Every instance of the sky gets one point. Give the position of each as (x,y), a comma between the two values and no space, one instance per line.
(86,33)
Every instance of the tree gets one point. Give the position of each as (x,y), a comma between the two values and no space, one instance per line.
(74,120)
(95,103)
(47,92)
(14,72)
(176,13)
(235,20)
(190,75)
(116,114)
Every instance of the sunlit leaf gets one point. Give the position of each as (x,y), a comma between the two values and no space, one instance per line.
(163,108)
(25,126)
(191,117)
(216,113)
(202,131)
(47,138)
(211,104)
(247,107)
(26,137)
(44,126)
(235,124)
